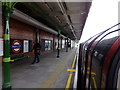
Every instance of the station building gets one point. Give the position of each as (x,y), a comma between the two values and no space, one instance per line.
(25,33)
(55,25)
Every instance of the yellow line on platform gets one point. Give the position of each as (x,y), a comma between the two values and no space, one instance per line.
(68,82)
(11,60)
(70,75)
(73,65)
(92,73)
(94,81)
(53,77)
(72,70)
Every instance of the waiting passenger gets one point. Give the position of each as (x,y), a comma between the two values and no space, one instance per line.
(36,49)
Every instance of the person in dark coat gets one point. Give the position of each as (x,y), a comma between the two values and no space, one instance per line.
(36,49)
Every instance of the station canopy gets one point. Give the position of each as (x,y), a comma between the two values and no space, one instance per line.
(69,17)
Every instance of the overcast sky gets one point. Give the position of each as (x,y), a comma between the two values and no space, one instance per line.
(103,14)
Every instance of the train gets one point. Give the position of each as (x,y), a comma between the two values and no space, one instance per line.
(99,61)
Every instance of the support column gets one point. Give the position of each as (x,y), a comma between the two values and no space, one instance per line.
(67,45)
(58,49)
(37,40)
(70,43)
(7,10)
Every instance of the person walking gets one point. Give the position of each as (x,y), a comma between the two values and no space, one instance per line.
(36,49)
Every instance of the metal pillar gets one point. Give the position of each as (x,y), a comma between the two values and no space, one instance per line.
(36,40)
(58,48)
(7,10)
(70,44)
(67,45)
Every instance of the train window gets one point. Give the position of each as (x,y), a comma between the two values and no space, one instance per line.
(102,48)
(104,44)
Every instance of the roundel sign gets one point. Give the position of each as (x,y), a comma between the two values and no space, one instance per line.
(16,46)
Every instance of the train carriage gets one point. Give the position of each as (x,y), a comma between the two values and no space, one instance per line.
(99,60)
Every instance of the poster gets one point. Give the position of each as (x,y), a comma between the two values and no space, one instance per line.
(1,47)
(26,46)
(63,43)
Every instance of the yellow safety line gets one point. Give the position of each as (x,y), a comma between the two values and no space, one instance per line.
(92,73)
(73,65)
(53,77)
(11,60)
(93,77)
(72,70)
(94,81)
(70,75)
(68,82)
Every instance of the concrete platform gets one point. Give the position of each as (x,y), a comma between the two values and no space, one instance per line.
(50,72)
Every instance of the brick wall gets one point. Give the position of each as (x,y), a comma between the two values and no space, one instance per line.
(19,30)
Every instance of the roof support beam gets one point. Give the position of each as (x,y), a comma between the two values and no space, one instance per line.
(65,14)
(29,20)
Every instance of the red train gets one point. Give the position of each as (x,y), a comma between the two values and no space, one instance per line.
(99,61)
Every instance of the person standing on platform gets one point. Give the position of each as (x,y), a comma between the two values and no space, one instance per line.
(36,49)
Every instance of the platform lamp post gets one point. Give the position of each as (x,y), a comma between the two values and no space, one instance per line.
(58,48)
(6,10)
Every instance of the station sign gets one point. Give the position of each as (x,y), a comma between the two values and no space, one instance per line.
(16,46)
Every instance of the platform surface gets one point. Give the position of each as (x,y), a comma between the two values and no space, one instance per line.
(50,72)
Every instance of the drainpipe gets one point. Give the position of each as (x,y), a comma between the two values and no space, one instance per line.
(58,49)
(7,10)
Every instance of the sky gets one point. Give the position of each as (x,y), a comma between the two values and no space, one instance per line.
(103,14)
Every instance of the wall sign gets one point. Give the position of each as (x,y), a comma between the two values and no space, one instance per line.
(16,46)
(1,47)
(26,46)
(63,43)
(19,46)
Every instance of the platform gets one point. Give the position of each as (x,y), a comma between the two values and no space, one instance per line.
(50,72)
